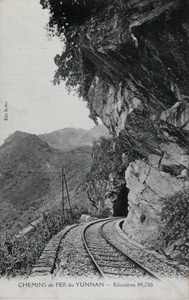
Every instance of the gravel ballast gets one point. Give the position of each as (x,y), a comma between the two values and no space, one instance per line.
(66,256)
(148,260)
(73,259)
(112,262)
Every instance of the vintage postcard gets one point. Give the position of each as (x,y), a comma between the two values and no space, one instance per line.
(94,149)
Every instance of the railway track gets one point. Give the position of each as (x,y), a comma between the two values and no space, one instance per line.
(110,261)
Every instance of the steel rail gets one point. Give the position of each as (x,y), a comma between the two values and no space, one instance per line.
(97,266)
(140,266)
(102,275)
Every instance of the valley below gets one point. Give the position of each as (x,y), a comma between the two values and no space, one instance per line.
(31,175)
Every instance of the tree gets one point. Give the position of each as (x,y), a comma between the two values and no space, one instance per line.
(67,19)
(67,13)
(73,21)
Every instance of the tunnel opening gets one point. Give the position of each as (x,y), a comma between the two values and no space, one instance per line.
(120,207)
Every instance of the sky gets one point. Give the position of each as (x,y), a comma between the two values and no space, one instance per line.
(28,97)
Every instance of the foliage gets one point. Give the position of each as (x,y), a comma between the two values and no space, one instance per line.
(66,20)
(176,214)
(66,13)
(69,19)
(107,175)
(106,159)
(19,254)
(175,208)
(104,213)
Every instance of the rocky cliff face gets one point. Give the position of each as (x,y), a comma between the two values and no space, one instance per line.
(139,88)
(130,59)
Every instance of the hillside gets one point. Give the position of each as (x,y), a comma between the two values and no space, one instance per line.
(30,178)
(71,138)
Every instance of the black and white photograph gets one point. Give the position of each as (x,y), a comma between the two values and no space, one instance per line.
(94,149)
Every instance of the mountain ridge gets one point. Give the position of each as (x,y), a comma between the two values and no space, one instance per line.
(70,138)
(30,175)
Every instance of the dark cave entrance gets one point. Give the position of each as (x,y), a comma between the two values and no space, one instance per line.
(120,206)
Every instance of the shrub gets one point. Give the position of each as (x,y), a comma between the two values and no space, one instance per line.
(18,255)
(176,216)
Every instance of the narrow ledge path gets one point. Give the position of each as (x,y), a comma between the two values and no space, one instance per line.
(46,263)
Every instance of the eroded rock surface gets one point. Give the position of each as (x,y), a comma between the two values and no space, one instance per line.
(133,61)
(139,89)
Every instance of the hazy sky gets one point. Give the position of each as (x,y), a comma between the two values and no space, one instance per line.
(34,104)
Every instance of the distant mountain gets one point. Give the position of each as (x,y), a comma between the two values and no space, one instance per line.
(30,177)
(71,138)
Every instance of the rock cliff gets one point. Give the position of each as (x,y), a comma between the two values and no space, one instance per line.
(135,63)
(140,91)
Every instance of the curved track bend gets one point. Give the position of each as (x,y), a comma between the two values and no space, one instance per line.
(110,261)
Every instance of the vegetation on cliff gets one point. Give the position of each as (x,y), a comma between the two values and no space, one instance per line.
(106,159)
(102,36)
(76,23)
(175,239)
(106,179)
(70,29)
(129,60)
